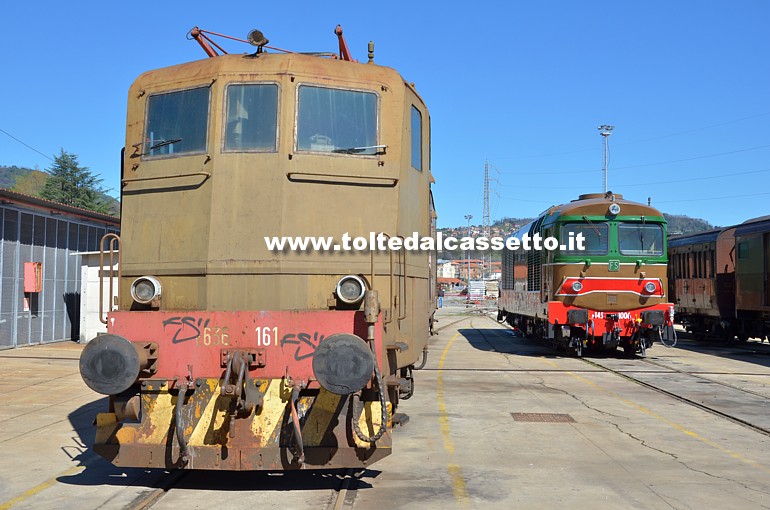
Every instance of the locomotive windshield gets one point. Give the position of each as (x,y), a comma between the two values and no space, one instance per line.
(336,120)
(595,235)
(177,122)
(640,239)
(252,117)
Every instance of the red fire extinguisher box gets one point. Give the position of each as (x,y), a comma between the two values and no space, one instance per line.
(33,277)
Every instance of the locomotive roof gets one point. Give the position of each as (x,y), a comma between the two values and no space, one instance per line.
(598,204)
(247,65)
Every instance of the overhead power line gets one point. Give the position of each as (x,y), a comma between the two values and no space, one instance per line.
(711,198)
(570,172)
(697,178)
(669,135)
(25,144)
(696,157)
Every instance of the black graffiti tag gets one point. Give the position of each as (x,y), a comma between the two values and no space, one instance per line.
(188,326)
(305,342)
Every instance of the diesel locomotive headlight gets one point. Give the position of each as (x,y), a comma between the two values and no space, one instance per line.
(145,289)
(350,289)
(577,286)
(649,287)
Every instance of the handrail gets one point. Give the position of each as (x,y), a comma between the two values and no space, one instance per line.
(390,278)
(345,180)
(159,177)
(114,242)
(403,268)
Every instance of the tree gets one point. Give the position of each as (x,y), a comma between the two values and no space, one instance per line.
(32,183)
(71,184)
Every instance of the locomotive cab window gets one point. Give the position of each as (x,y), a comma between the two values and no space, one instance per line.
(640,239)
(252,117)
(177,123)
(337,121)
(595,235)
(416,139)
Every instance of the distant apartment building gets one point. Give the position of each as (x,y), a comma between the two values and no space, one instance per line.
(479,269)
(446,269)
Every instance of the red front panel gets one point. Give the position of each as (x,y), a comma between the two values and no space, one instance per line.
(283,341)
(627,321)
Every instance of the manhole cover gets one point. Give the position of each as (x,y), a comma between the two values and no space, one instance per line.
(542,417)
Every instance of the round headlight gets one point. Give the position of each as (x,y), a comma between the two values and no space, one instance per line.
(577,286)
(145,289)
(649,287)
(350,289)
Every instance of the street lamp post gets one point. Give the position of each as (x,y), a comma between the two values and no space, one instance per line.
(469,217)
(605,131)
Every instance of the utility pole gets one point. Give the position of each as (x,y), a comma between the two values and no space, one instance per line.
(485,220)
(469,217)
(606,131)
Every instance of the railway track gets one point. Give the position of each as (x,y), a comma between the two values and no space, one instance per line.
(598,365)
(341,496)
(681,398)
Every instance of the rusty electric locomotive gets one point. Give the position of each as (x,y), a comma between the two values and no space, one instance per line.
(221,353)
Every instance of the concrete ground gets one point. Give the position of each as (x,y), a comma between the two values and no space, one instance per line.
(627,445)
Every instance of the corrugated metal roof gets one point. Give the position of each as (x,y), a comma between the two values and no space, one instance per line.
(23,199)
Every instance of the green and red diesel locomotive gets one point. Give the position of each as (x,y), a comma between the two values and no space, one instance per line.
(611,294)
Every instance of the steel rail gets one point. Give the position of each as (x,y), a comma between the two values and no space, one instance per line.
(681,398)
(345,494)
(147,501)
(673,395)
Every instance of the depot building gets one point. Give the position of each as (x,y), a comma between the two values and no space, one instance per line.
(41,255)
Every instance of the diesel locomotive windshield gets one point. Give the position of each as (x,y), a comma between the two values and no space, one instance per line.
(252,117)
(177,123)
(595,235)
(640,239)
(337,121)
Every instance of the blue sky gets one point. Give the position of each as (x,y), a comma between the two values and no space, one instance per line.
(523,85)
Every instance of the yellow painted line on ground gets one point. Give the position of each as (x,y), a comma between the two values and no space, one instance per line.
(40,487)
(455,472)
(665,420)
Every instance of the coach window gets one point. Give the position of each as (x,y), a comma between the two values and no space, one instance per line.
(743,250)
(595,235)
(640,239)
(177,123)
(337,121)
(252,117)
(416,139)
